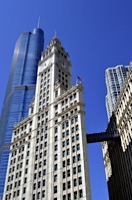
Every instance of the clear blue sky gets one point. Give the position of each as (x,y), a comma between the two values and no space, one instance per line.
(96,33)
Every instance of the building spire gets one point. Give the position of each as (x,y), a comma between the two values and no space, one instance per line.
(39,22)
(55,34)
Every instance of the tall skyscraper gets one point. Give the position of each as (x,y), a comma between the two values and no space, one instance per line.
(20,91)
(114,81)
(118,153)
(48,157)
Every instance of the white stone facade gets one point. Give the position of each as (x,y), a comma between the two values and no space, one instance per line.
(48,158)
(123,112)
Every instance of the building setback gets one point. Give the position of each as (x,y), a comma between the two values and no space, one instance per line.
(115,77)
(20,91)
(118,153)
(48,155)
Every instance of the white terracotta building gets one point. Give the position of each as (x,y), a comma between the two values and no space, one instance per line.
(48,154)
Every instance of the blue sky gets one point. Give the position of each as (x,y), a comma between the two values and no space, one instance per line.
(97,35)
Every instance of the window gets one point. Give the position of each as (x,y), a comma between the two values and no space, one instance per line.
(55,158)
(56,129)
(24,190)
(75,182)
(68,161)
(80,193)
(63,126)
(26,162)
(73,149)
(67,132)
(14,194)
(39,184)
(78,146)
(27,153)
(26,171)
(64,186)
(34,186)
(77,137)
(64,174)
(76,119)
(45,144)
(74,170)
(44,182)
(77,127)
(38,195)
(25,180)
(67,124)
(80,180)
(63,144)
(40,155)
(55,189)
(69,197)
(64,163)
(67,141)
(56,138)
(45,152)
(72,130)
(43,193)
(63,153)
(44,172)
(40,164)
(75,195)
(69,185)
(55,167)
(73,139)
(78,157)
(68,173)
(55,147)
(72,121)
(64,197)
(35,176)
(56,93)
(55,177)
(63,134)
(74,159)
(19,182)
(79,168)
(68,151)
(39,174)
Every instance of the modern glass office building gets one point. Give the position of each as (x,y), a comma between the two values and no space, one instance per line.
(20,91)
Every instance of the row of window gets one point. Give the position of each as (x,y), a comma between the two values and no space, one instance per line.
(76,182)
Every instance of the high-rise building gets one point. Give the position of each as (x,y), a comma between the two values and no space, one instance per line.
(115,77)
(20,91)
(48,155)
(118,153)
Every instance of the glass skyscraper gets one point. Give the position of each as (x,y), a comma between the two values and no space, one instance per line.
(20,91)
(115,77)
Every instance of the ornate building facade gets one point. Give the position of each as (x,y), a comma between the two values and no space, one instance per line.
(48,155)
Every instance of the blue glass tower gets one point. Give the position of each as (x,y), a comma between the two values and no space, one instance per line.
(20,91)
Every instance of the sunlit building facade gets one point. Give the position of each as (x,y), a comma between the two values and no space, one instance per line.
(48,158)
(20,91)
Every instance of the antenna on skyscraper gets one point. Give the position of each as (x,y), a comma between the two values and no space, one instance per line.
(39,22)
